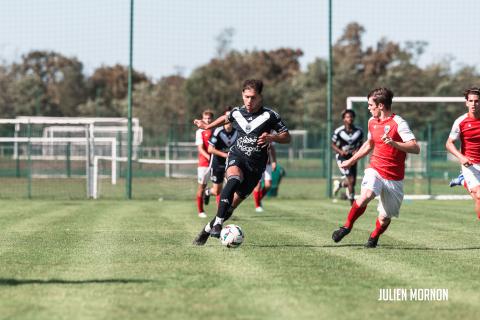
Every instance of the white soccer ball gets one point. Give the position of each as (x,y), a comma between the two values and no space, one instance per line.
(232,236)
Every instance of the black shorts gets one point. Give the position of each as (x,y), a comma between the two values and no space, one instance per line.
(350,172)
(252,173)
(217,174)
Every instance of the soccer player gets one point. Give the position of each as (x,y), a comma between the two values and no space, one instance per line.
(390,139)
(201,140)
(259,192)
(467,129)
(218,146)
(248,157)
(346,140)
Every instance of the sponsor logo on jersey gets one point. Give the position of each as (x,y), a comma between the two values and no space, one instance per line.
(248,145)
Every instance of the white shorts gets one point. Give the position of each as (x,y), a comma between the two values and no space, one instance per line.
(390,192)
(471,175)
(267,174)
(203,174)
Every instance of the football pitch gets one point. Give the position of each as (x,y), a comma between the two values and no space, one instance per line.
(135,260)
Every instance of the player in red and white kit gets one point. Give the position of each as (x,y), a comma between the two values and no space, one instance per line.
(201,140)
(390,139)
(467,129)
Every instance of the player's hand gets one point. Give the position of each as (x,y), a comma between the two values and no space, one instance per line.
(346,164)
(274,166)
(465,162)
(264,140)
(387,140)
(200,124)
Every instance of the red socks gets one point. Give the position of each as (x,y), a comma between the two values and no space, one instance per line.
(200,204)
(257,196)
(217,197)
(353,215)
(379,229)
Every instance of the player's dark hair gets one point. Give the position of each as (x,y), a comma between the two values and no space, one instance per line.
(344,113)
(207,112)
(472,90)
(256,85)
(382,95)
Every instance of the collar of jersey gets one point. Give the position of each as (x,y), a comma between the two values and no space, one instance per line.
(386,120)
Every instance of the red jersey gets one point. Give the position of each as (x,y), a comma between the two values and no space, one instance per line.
(388,161)
(201,139)
(468,130)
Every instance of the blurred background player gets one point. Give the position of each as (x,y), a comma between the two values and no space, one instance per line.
(201,140)
(218,146)
(248,157)
(466,128)
(346,140)
(260,191)
(390,139)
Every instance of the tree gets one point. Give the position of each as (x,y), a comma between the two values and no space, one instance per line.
(48,83)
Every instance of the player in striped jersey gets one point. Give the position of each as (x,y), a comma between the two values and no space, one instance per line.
(466,128)
(346,140)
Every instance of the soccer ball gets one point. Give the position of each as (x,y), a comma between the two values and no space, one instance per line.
(232,236)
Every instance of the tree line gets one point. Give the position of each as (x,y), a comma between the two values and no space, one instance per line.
(50,84)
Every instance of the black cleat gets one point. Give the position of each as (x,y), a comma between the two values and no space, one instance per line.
(215,232)
(338,235)
(371,243)
(206,198)
(201,239)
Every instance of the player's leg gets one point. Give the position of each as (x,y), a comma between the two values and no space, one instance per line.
(202,176)
(371,186)
(472,184)
(214,227)
(235,177)
(389,205)
(351,180)
(339,183)
(257,192)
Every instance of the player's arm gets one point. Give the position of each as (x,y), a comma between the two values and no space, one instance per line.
(215,151)
(266,138)
(450,145)
(362,152)
(410,146)
(338,150)
(219,121)
(202,151)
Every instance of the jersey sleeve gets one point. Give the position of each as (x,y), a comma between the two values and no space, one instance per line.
(278,124)
(455,132)
(230,117)
(404,131)
(213,138)
(335,136)
(198,137)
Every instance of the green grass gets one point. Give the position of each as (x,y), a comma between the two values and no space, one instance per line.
(134,260)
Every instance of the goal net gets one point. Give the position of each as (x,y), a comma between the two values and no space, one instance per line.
(50,157)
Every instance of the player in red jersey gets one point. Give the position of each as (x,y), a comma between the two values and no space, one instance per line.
(201,140)
(467,129)
(390,139)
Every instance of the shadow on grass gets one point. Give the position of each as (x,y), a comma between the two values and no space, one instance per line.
(392,247)
(20,282)
(359,245)
(292,245)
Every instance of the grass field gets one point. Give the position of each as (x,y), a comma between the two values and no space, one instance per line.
(134,260)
